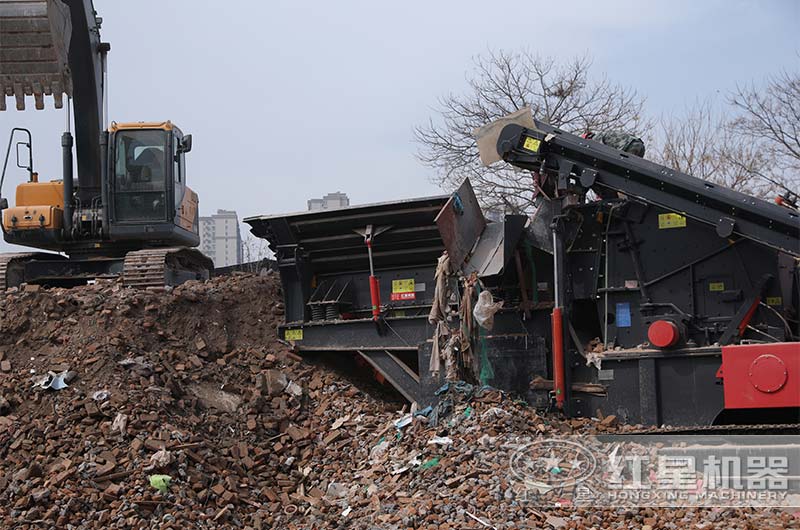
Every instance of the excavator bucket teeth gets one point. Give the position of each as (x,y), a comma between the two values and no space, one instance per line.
(34,48)
(487,136)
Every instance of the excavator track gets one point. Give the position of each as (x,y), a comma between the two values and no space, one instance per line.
(12,265)
(162,267)
(7,268)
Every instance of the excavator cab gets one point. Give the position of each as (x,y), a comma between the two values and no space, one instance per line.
(147,188)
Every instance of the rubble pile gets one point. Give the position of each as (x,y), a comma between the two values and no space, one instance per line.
(133,409)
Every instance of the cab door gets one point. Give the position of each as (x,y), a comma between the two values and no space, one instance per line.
(185,200)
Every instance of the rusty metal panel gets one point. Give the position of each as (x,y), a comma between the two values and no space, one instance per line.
(34,47)
(461,223)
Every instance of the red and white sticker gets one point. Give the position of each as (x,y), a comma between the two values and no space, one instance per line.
(403,296)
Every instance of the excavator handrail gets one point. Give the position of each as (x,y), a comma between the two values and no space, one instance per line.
(8,154)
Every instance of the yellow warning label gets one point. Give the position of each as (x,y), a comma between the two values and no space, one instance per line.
(671,220)
(716,286)
(774,300)
(293,334)
(532,144)
(403,286)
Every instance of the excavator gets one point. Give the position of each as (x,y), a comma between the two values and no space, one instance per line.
(128,212)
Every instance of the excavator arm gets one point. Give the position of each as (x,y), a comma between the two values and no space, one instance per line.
(53,48)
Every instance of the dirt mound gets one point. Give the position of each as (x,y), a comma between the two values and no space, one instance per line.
(183,410)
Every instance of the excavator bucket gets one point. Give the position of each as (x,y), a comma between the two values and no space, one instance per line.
(487,135)
(34,48)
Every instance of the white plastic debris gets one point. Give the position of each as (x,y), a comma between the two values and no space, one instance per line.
(161,458)
(120,423)
(485,308)
(294,389)
(404,421)
(101,395)
(398,470)
(55,381)
(440,440)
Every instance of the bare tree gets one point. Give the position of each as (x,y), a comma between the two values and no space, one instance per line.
(702,143)
(769,120)
(254,251)
(562,94)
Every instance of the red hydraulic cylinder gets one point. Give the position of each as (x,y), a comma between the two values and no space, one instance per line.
(374,287)
(375,295)
(558,357)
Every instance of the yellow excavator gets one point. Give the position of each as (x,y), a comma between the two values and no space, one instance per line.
(128,212)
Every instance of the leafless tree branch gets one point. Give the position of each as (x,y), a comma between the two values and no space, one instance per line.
(562,94)
(701,143)
(769,121)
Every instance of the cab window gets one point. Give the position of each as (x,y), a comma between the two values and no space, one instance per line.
(140,176)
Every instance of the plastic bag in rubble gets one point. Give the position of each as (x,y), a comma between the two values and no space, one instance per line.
(161,459)
(160,482)
(485,309)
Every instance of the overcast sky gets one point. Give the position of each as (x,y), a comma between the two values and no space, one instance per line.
(290,100)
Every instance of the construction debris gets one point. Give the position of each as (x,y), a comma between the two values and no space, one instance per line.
(208,421)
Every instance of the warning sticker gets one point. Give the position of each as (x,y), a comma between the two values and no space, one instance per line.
(403,290)
(403,286)
(671,220)
(531,144)
(293,334)
(774,300)
(716,286)
(398,297)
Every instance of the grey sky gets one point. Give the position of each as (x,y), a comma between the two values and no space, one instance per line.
(290,100)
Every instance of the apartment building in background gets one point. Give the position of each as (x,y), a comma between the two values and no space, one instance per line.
(329,202)
(221,238)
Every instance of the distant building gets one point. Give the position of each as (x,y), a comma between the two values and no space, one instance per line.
(329,202)
(220,238)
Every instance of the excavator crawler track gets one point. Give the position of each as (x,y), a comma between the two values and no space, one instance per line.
(8,264)
(158,268)
(12,265)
